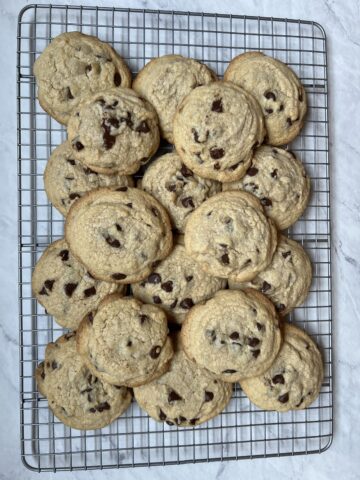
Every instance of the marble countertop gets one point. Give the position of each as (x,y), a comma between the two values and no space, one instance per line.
(342,460)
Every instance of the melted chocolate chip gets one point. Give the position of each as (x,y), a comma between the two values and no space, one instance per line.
(229,370)
(70,288)
(154,278)
(73,196)
(187,202)
(217,153)
(208,396)
(217,106)
(234,335)
(174,396)
(71,161)
(185,171)
(269,110)
(284,398)
(143,319)
(143,127)
(162,415)
(109,140)
(255,353)
(102,406)
(114,122)
(278,379)
(259,326)
(265,287)
(188,278)
(253,341)
(286,254)
(118,276)
(127,120)
(252,171)
(186,303)
(274,173)
(78,146)
(266,202)
(173,305)
(217,166)
(156,299)
(49,284)
(167,286)
(113,242)
(155,352)
(64,254)
(269,95)
(225,259)
(117,79)
(89,292)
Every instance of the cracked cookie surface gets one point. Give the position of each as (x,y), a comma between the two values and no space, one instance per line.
(186,395)
(165,82)
(74,66)
(64,287)
(67,179)
(216,128)
(114,131)
(230,237)
(294,380)
(234,335)
(277,89)
(76,397)
(278,179)
(118,234)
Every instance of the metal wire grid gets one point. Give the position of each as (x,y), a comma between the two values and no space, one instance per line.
(242,431)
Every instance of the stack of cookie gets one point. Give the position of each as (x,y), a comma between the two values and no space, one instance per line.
(176,288)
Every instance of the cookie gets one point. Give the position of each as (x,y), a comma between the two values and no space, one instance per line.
(294,380)
(63,286)
(118,234)
(76,397)
(177,284)
(125,342)
(114,131)
(234,335)
(66,179)
(177,188)
(186,395)
(216,128)
(287,280)
(277,89)
(165,82)
(230,237)
(74,66)
(280,182)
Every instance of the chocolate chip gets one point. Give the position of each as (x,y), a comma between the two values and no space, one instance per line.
(71,161)
(113,242)
(281,307)
(69,95)
(70,288)
(154,278)
(187,202)
(130,205)
(180,420)
(109,140)
(127,120)
(185,171)
(42,374)
(269,110)
(217,166)
(114,122)
(171,187)
(162,415)
(301,400)
(252,171)
(102,406)
(259,326)
(143,319)
(90,317)
(199,160)
(225,259)
(155,352)
(64,254)
(73,196)
(196,135)
(265,287)
(286,254)
(129,343)
(269,95)
(117,79)
(234,335)
(155,212)
(54,365)
(300,96)
(274,173)
(278,379)
(217,106)
(188,278)
(281,108)
(88,171)
(208,396)
(174,396)
(121,189)
(255,353)
(143,127)
(173,305)
(118,227)
(229,370)
(217,153)
(284,398)
(49,284)
(118,276)
(92,410)
(86,390)
(167,286)
(78,146)
(157,299)
(253,341)
(186,303)
(193,421)
(266,202)
(234,167)
(89,292)
(289,121)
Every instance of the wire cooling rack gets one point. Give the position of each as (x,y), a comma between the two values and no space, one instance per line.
(242,431)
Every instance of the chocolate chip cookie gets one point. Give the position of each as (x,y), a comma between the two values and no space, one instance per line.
(64,287)
(186,395)
(177,284)
(66,179)
(216,128)
(165,82)
(234,335)
(230,237)
(118,234)
(114,131)
(280,182)
(294,380)
(74,66)
(277,89)
(177,188)
(286,281)
(125,342)
(76,397)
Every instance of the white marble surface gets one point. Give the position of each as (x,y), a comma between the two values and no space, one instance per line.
(342,460)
